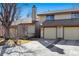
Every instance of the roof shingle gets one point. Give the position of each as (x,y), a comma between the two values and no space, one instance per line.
(71,22)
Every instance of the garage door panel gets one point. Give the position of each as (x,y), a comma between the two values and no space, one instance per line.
(71,33)
(50,33)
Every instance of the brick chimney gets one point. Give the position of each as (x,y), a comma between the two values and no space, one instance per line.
(34,13)
(37,24)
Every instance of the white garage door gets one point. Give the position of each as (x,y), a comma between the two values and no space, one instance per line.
(50,33)
(71,33)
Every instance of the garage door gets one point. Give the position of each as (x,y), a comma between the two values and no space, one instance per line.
(50,33)
(71,33)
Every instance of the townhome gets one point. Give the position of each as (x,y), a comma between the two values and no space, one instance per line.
(60,24)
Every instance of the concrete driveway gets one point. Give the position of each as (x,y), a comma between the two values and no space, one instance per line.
(63,47)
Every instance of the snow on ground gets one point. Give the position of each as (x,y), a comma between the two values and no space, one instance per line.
(35,48)
(69,50)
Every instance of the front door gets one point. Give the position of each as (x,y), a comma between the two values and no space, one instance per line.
(60,32)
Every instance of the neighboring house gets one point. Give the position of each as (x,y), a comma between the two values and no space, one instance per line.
(61,24)
(21,28)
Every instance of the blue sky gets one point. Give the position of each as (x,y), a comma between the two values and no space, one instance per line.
(43,7)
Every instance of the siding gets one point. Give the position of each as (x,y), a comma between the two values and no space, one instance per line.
(42,18)
(31,30)
(56,17)
(21,30)
(62,16)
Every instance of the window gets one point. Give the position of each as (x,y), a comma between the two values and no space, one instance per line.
(75,15)
(50,17)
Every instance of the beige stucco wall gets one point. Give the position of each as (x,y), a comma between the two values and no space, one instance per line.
(56,17)
(41,33)
(71,33)
(62,16)
(31,30)
(50,33)
(41,18)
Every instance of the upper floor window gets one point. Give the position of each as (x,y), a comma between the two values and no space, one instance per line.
(75,15)
(50,17)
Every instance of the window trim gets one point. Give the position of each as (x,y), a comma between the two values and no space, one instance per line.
(74,15)
(50,17)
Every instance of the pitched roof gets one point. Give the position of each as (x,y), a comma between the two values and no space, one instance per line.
(71,22)
(59,11)
(28,20)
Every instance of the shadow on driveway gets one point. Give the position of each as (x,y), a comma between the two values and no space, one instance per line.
(50,44)
(69,42)
(54,48)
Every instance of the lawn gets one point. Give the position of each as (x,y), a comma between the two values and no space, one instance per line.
(18,41)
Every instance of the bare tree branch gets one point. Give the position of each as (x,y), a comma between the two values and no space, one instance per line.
(7,15)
